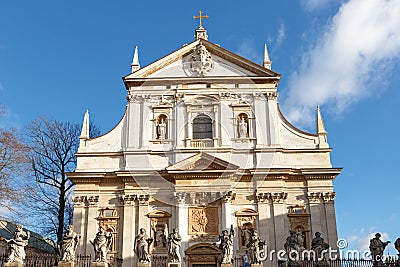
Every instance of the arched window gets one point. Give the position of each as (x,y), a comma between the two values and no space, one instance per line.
(202,127)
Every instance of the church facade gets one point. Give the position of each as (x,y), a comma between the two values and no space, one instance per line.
(203,147)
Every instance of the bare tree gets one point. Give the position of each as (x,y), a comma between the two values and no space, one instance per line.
(53,145)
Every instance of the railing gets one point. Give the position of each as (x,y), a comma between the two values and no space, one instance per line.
(201,143)
(48,260)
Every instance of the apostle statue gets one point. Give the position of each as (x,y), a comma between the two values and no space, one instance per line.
(242,128)
(376,246)
(174,244)
(17,244)
(225,243)
(141,247)
(397,245)
(254,247)
(246,234)
(101,244)
(162,129)
(318,245)
(293,247)
(67,246)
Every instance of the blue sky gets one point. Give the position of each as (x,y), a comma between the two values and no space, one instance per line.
(61,57)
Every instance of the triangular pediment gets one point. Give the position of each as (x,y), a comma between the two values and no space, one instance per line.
(202,162)
(201,58)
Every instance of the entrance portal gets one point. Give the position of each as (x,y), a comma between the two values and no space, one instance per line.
(202,255)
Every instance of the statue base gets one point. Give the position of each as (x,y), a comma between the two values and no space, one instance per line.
(226,264)
(14,264)
(174,264)
(66,264)
(293,264)
(99,264)
(256,265)
(143,264)
(322,264)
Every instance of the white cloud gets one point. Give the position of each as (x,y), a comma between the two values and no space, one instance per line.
(247,50)
(360,241)
(343,66)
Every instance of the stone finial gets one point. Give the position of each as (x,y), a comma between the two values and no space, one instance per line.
(85,127)
(267,63)
(320,129)
(135,62)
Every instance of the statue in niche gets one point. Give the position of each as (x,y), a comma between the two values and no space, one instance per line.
(225,243)
(67,246)
(162,129)
(242,127)
(377,246)
(17,244)
(318,245)
(254,247)
(101,244)
(174,244)
(160,235)
(141,247)
(246,233)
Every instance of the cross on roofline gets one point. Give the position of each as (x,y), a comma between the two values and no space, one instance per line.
(201,17)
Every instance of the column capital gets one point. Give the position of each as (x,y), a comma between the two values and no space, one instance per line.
(272,197)
(314,197)
(79,201)
(180,197)
(328,196)
(128,199)
(227,197)
(92,200)
(143,200)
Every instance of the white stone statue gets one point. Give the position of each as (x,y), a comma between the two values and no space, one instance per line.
(141,248)
(174,244)
(162,129)
(17,244)
(101,244)
(225,243)
(254,247)
(242,128)
(67,246)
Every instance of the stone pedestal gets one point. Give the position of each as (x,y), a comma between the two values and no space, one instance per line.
(256,265)
(66,264)
(99,264)
(322,264)
(226,264)
(174,264)
(143,264)
(14,264)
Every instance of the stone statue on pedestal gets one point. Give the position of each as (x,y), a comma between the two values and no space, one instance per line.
(174,244)
(67,246)
(376,246)
(141,247)
(17,244)
(225,243)
(242,128)
(254,247)
(293,247)
(101,244)
(397,245)
(162,129)
(318,245)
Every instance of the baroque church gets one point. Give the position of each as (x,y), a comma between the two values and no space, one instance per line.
(203,147)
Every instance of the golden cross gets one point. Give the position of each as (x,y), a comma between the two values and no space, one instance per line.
(201,17)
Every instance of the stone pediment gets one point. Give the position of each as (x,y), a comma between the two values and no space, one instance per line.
(202,162)
(201,58)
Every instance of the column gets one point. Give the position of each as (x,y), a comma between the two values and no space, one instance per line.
(92,225)
(280,218)
(226,210)
(330,218)
(273,139)
(266,224)
(143,201)
(182,220)
(128,230)
(314,201)
(180,115)
(227,126)
(146,124)
(134,121)
(79,221)
(261,120)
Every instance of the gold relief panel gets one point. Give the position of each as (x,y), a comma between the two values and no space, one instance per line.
(203,220)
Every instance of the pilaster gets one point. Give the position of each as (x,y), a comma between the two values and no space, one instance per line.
(260,106)
(128,229)
(92,203)
(314,201)
(79,221)
(265,223)
(273,123)
(134,121)
(143,201)
(182,220)
(328,198)
(226,209)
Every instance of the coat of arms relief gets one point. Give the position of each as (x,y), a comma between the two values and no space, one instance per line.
(201,62)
